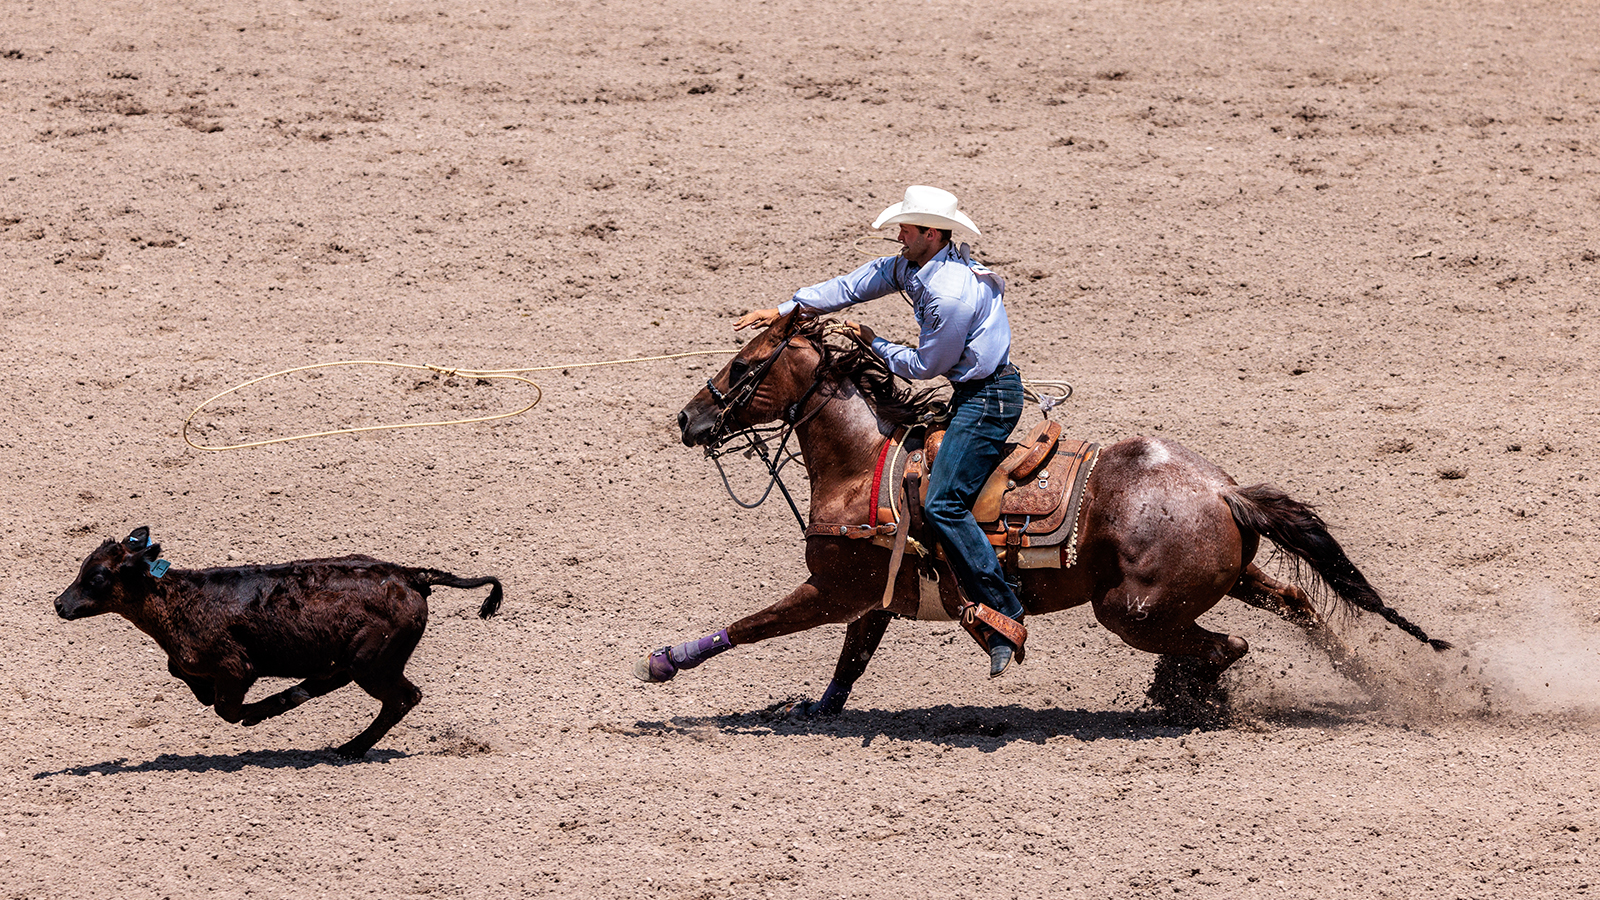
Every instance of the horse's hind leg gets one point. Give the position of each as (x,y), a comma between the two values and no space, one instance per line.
(1262,591)
(1188,677)
(861,640)
(1187,681)
(1290,603)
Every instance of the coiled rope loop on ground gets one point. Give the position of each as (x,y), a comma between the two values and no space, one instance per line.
(486,374)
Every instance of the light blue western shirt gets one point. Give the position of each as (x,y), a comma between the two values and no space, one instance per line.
(958,304)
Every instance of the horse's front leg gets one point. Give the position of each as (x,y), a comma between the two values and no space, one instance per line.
(861,640)
(796,612)
(831,595)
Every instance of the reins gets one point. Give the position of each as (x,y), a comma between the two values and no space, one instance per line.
(485,374)
(734,400)
(757,445)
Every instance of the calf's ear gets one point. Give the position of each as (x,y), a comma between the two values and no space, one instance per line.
(139,539)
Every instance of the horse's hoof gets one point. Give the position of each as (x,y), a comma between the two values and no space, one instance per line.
(797,710)
(655,668)
(803,711)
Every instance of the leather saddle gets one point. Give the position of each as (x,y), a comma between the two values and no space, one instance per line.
(1030,507)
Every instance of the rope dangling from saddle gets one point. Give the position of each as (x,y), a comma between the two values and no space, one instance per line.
(911,494)
(969,614)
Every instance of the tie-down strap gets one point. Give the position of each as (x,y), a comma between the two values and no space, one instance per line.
(825,529)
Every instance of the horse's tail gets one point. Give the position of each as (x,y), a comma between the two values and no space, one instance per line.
(491,604)
(1297,530)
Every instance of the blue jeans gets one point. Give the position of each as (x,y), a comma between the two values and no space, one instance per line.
(983,413)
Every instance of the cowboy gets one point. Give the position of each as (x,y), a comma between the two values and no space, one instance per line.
(964,337)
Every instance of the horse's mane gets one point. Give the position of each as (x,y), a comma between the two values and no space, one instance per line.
(893,400)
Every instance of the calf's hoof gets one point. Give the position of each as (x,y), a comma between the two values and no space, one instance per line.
(655,668)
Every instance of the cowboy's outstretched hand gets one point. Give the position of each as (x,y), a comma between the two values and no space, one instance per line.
(761,318)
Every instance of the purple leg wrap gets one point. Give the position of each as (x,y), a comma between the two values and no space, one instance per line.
(689,654)
(657,667)
(833,699)
(662,664)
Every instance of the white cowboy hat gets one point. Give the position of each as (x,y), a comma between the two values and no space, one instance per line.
(929,207)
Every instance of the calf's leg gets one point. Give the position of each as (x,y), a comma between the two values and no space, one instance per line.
(204,690)
(231,689)
(285,700)
(379,668)
(398,694)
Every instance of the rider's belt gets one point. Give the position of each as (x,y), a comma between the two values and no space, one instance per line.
(1007,369)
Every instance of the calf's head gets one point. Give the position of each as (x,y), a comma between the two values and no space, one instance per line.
(114,577)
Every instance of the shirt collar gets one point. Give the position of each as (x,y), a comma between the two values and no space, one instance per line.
(947,253)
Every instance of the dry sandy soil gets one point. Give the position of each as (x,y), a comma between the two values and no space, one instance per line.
(1347,247)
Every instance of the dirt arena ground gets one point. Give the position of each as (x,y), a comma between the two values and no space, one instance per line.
(1350,248)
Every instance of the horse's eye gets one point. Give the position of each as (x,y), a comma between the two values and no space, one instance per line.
(737,370)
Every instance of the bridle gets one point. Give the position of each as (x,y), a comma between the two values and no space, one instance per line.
(739,395)
(734,401)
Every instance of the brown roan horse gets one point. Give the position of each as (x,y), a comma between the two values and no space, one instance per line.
(1165,534)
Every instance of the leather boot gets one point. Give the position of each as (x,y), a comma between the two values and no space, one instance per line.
(1001,652)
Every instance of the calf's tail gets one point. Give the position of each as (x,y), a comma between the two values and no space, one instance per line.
(491,603)
(1299,531)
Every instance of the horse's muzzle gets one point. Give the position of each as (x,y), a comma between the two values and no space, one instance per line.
(695,429)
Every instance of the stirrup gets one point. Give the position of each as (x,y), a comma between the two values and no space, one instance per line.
(975,617)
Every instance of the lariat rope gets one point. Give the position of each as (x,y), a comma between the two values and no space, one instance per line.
(1058,392)
(487,374)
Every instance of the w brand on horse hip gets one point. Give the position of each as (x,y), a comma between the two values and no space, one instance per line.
(1164,536)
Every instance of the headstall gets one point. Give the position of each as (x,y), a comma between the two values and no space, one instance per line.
(734,401)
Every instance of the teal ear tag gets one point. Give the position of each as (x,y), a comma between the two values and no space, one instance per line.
(159,568)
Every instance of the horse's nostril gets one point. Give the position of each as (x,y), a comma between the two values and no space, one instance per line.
(683,420)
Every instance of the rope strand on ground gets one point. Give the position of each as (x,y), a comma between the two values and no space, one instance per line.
(507,374)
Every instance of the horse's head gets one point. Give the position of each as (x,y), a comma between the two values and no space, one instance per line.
(766,381)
